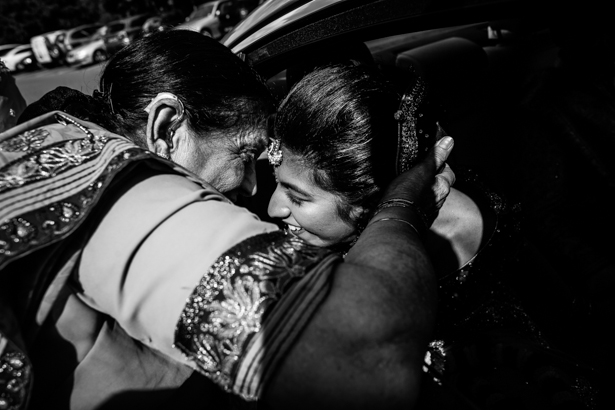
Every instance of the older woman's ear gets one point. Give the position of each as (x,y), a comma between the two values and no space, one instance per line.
(165,114)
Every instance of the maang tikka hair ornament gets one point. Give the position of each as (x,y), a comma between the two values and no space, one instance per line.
(274,152)
(408,130)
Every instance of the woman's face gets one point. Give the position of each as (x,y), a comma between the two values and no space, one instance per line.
(225,162)
(310,212)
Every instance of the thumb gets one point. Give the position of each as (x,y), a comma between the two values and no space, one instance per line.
(442,150)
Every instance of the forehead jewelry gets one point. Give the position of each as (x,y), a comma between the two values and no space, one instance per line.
(274,152)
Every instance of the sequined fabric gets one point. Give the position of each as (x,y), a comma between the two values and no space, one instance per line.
(29,220)
(50,180)
(409,132)
(15,376)
(247,309)
(25,142)
(488,351)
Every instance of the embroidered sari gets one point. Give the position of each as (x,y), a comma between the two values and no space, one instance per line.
(122,273)
(489,351)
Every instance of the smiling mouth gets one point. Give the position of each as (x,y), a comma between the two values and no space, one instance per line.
(296,230)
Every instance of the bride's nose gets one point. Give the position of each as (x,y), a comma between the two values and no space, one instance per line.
(277,205)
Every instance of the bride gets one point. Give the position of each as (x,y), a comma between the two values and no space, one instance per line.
(341,135)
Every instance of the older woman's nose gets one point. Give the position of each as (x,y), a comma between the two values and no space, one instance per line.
(277,207)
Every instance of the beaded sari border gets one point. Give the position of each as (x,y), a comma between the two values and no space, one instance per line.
(248,308)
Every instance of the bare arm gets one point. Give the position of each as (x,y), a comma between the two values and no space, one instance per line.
(364,347)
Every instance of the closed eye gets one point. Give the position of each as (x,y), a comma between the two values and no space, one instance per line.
(294,199)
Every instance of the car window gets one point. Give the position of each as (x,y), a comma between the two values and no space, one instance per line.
(91,30)
(100,33)
(115,27)
(138,21)
(21,49)
(201,12)
(80,34)
(225,7)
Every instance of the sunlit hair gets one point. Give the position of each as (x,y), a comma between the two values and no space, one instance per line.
(219,91)
(343,121)
(339,119)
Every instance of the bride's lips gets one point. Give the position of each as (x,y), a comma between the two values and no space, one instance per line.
(295,230)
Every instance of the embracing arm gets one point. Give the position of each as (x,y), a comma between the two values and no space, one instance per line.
(364,346)
(248,296)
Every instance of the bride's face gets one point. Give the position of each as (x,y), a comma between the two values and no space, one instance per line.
(310,212)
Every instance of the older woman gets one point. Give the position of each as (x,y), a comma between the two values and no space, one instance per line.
(123,271)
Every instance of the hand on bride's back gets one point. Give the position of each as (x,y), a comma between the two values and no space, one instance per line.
(429,182)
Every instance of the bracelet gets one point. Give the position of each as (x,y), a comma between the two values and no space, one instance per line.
(397,220)
(403,203)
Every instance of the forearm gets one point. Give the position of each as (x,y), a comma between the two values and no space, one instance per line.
(364,347)
(395,255)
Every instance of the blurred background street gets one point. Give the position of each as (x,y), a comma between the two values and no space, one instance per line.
(49,43)
(33,85)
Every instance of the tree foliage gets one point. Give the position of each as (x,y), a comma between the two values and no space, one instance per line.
(20,20)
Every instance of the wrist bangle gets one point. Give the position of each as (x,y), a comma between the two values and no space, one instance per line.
(402,203)
(396,220)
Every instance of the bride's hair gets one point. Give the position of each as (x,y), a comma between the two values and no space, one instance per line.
(345,122)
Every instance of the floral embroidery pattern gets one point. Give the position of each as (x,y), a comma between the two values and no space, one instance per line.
(36,228)
(50,161)
(231,301)
(15,376)
(26,141)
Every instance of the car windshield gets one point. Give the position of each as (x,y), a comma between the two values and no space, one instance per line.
(137,22)
(115,27)
(5,51)
(202,12)
(85,32)
(21,49)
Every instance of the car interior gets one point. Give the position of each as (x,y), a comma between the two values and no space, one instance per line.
(501,86)
(478,74)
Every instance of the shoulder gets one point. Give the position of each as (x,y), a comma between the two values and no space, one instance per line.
(457,233)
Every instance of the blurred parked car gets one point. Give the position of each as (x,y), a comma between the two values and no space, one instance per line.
(5,48)
(91,53)
(216,18)
(46,51)
(164,21)
(77,37)
(119,33)
(20,58)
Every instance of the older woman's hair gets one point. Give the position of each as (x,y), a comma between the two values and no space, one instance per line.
(218,90)
(220,93)
(340,120)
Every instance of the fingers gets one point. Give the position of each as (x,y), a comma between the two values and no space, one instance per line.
(442,150)
(442,185)
(447,176)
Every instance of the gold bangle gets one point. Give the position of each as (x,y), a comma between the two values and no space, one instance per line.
(397,220)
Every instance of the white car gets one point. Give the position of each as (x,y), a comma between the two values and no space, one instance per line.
(216,18)
(5,48)
(90,53)
(19,58)
(46,52)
